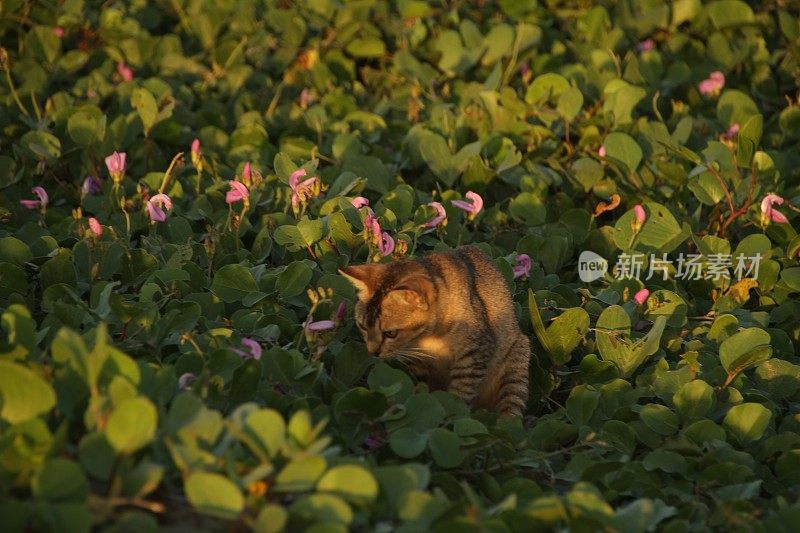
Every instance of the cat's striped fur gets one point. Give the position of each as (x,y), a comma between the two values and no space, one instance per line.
(450,317)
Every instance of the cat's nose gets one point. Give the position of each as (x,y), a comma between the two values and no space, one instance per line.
(373,348)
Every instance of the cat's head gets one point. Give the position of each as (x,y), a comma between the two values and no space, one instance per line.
(394,307)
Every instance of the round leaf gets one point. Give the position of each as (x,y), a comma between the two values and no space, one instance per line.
(214,495)
(132,425)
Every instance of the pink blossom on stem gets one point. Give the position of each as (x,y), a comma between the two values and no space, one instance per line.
(523,266)
(183,381)
(639,214)
(95,226)
(440,217)
(602,151)
(641,296)
(385,244)
(196,147)
(712,85)
(359,202)
(124,71)
(340,311)
(116,165)
(472,208)
(36,204)
(732,131)
(154,207)
(373,228)
(771,213)
(321,325)
(238,192)
(648,45)
(254,349)
(58,31)
(301,191)
(91,186)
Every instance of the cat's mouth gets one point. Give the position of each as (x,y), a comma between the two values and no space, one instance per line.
(408,355)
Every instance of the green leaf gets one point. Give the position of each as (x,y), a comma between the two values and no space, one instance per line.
(445,448)
(546,87)
(87,126)
(60,480)
(145,104)
(694,400)
(528,209)
(271,519)
(745,349)
(748,139)
(24,394)
(132,425)
(748,421)
(214,495)
(323,508)
(267,429)
(351,482)
(232,283)
(659,418)
(623,148)
(565,333)
(729,13)
(42,145)
(570,103)
(294,279)
(300,474)
(582,403)
(407,442)
(366,47)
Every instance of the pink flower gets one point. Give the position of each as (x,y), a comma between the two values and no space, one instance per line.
(638,212)
(36,204)
(524,68)
(302,191)
(306,98)
(602,151)
(372,442)
(440,217)
(238,192)
(732,131)
(154,205)
(116,165)
(91,186)
(340,311)
(183,381)
(641,296)
(58,31)
(197,156)
(95,226)
(647,45)
(372,228)
(359,202)
(322,325)
(713,84)
(253,347)
(472,208)
(523,266)
(246,173)
(294,178)
(385,244)
(124,71)
(773,214)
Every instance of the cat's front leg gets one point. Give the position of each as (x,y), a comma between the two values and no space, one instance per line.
(467,374)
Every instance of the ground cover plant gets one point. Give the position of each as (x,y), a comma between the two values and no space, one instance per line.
(179,182)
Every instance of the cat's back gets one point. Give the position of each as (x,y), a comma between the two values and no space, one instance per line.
(473,284)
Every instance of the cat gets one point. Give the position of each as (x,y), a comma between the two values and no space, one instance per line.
(449,316)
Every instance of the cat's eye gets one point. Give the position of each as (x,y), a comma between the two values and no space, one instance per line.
(390,333)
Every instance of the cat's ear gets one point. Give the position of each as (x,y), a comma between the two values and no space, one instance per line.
(364,278)
(416,290)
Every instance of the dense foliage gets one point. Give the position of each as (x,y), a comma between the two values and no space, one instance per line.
(177,348)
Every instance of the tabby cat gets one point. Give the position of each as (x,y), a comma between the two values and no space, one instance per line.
(450,317)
